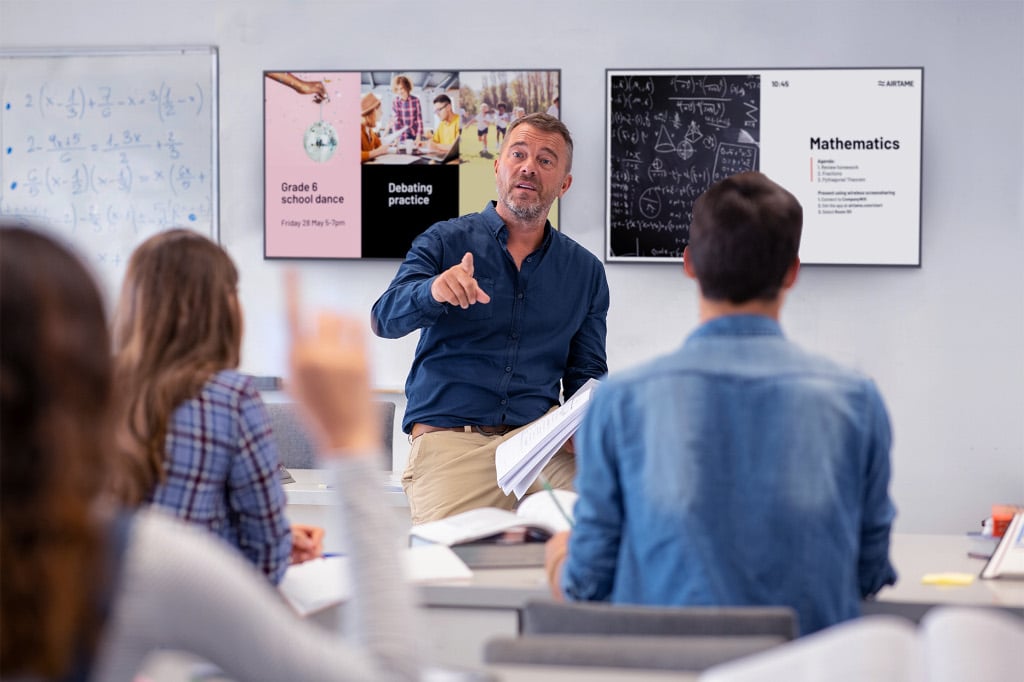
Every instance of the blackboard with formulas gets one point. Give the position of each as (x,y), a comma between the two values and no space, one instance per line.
(107,147)
(670,136)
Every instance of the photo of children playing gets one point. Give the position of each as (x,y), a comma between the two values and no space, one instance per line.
(487,103)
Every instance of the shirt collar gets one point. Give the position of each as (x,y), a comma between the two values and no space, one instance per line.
(739,325)
(497,226)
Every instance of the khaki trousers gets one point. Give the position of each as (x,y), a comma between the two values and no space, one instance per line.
(451,471)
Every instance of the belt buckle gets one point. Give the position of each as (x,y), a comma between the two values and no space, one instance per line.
(496,431)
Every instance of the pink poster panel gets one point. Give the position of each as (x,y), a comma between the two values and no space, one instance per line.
(312,169)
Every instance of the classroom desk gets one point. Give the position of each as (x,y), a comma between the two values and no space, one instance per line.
(178,667)
(460,616)
(419,157)
(309,501)
(550,673)
(463,615)
(915,555)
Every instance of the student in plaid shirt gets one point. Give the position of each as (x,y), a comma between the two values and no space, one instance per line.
(405,110)
(199,427)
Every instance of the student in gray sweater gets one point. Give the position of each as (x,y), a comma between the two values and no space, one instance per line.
(89,590)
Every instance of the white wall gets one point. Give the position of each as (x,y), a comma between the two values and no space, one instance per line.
(945,342)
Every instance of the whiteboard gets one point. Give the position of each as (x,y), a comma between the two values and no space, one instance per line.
(106,147)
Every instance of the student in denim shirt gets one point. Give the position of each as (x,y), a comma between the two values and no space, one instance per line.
(740,469)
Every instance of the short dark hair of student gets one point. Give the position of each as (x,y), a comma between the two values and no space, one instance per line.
(443,98)
(744,236)
(56,445)
(548,124)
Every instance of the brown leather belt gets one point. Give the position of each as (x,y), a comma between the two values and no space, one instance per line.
(499,430)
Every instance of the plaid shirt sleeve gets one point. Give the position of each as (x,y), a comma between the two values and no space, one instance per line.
(255,494)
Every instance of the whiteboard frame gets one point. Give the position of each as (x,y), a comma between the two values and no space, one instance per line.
(875,260)
(118,51)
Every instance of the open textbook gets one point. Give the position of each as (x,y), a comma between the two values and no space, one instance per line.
(537,518)
(519,459)
(952,644)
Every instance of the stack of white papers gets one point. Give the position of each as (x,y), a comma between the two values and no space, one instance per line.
(519,459)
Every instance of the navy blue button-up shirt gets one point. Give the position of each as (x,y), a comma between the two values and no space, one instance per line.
(503,362)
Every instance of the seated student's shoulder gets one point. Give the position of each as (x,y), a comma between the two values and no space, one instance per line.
(832,372)
(231,387)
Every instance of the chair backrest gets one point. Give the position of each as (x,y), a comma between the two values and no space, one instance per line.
(583,618)
(650,652)
(295,445)
(662,638)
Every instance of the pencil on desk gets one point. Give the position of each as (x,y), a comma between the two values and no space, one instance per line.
(554,498)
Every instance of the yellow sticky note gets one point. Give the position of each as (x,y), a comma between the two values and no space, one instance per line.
(948,579)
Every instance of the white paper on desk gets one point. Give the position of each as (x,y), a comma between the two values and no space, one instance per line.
(520,459)
(426,563)
(314,585)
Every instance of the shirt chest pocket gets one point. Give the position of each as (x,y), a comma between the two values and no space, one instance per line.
(478,311)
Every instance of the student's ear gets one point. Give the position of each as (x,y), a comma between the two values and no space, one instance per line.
(789,279)
(688,263)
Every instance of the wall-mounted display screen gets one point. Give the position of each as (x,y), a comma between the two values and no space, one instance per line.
(358,163)
(846,142)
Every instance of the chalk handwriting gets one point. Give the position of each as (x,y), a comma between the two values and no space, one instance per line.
(670,137)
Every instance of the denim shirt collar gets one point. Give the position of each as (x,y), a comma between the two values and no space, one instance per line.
(738,325)
(498,228)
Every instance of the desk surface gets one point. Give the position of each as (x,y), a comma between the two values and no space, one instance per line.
(168,666)
(913,555)
(311,489)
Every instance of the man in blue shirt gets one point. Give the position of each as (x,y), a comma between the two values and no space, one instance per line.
(512,313)
(740,469)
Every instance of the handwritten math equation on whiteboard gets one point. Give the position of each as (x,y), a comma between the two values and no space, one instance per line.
(106,152)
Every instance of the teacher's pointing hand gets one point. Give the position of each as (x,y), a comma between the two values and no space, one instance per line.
(457,286)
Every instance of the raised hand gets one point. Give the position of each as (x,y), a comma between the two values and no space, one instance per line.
(330,378)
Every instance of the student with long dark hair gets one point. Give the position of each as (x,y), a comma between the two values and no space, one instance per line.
(86,591)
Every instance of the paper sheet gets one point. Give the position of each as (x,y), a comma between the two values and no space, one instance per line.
(520,459)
